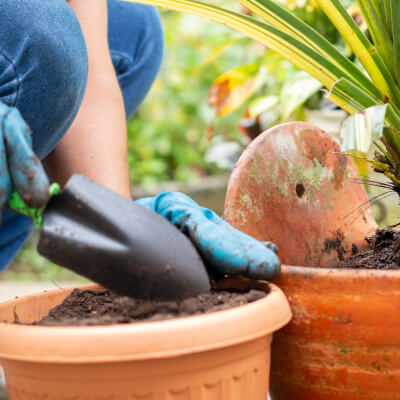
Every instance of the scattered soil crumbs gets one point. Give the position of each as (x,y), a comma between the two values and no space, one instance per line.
(383,252)
(87,307)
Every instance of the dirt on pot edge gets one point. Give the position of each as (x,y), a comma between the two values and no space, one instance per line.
(383,252)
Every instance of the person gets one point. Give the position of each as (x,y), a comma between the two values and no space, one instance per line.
(71,73)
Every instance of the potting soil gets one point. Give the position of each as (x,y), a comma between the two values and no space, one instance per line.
(383,252)
(87,307)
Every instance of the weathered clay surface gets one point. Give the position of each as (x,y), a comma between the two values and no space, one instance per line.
(343,342)
(292,186)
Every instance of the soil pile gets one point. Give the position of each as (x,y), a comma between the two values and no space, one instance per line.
(87,307)
(383,252)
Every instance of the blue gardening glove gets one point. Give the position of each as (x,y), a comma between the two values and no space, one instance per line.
(20,169)
(224,248)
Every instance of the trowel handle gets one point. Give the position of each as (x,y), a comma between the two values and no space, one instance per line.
(17,204)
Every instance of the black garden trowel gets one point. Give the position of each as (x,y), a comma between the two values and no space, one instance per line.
(117,243)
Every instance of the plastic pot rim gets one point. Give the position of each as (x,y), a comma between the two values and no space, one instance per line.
(144,340)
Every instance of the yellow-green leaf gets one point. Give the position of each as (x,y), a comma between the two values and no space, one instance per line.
(362,48)
(287,22)
(231,89)
(217,52)
(295,50)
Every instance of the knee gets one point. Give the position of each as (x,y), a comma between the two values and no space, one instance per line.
(152,45)
(44,45)
(137,43)
(135,32)
(44,42)
(61,51)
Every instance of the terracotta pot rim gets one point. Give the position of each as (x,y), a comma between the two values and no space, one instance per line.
(342,272)
(147,340)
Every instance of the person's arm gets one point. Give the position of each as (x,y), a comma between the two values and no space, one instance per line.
(96,143)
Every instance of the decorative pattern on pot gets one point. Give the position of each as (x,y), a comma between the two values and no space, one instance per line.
(249,385)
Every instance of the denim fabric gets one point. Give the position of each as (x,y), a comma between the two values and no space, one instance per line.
(136,43)
(43,72)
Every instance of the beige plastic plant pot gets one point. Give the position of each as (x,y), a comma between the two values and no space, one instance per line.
(222,355)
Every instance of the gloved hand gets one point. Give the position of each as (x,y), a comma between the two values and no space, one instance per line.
(20,169)
(224,248)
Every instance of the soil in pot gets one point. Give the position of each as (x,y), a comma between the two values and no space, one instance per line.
(87,307)
(383,252)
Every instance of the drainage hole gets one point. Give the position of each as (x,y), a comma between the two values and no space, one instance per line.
(300,189)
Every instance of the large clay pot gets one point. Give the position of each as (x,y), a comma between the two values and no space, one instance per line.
(217,356)
(344,340)
(292,186)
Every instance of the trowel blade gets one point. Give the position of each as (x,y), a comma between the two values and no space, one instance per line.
(119,244)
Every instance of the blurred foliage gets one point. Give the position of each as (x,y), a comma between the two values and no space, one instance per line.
(168,136)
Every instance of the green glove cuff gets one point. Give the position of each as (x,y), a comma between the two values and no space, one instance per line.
(17,204)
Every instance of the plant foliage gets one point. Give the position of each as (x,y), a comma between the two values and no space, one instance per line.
(354,87)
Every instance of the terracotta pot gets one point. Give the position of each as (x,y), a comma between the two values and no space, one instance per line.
(221,355)
(292,186)
(344,340)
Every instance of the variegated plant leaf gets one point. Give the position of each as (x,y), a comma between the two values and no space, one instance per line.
(360,130)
